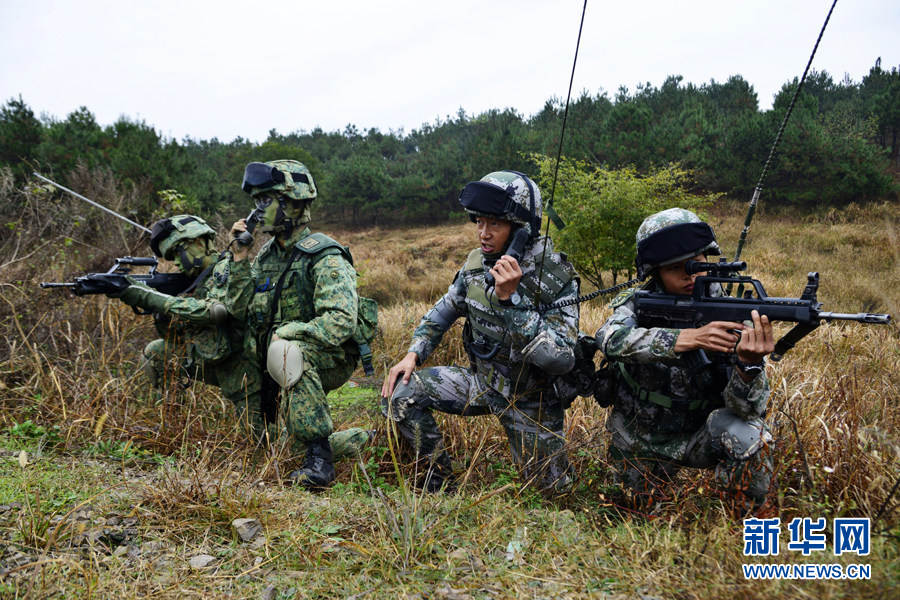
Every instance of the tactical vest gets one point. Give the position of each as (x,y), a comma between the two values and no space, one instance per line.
(485,326)
(296,302)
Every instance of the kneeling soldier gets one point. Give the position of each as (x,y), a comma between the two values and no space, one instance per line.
(667,415)
(515,351)
(200,334)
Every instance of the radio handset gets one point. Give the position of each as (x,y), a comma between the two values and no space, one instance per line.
(246,237)
(515,250)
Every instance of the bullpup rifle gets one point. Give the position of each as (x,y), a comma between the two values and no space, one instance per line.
(701,307)
(114,280)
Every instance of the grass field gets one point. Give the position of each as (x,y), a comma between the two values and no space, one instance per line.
(109,490)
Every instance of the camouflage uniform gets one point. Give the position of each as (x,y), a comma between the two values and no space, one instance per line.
(502,379)
(667,415)
(316,315)
(317,311)
(208,349)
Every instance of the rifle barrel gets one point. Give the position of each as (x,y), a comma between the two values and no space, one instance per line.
(874,318)
(53,284)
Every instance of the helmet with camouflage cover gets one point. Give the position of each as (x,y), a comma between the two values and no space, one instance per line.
(670,236)
(167,233)
(288,177)
(283,191)
(508,195)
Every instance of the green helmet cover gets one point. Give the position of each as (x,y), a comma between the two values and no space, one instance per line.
(167,233)
(522,190)
(294,188)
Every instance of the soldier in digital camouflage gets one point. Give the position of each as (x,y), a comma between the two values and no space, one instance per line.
(201,339)
(515,351)
(667,415)
(306,325)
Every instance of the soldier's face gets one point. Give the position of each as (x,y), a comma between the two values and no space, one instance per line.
(492,234)
(675,279)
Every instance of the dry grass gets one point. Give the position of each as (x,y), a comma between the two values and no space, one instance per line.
(71,363)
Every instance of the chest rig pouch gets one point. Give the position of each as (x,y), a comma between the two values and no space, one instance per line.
(309,251)
(484,334)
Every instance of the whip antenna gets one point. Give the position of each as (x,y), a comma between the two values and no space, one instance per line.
(759,184)
(551,213)
(91,202)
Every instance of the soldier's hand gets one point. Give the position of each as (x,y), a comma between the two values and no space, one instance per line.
(757,341)
(403,369)
(718,336)
(238,251)
(507,273)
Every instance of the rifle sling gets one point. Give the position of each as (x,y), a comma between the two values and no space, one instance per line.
(655,397)
(269,387)
(790,339)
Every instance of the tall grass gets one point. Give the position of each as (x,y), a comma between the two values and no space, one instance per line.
(72,363)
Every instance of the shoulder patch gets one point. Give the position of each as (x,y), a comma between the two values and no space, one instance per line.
(622,298)
(315,243)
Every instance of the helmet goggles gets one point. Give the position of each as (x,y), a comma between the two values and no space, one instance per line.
(490,199)
(675,243)
(262,177)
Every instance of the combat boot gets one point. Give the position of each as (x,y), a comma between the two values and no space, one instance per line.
(439,476)
(318,468)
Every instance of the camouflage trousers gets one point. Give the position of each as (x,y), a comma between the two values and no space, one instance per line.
(533,422)
(738,450)
(303,408)
(240,380)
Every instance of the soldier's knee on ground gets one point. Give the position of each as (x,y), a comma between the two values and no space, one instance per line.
(348,443)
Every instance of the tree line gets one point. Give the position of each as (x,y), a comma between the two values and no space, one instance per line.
(841,146)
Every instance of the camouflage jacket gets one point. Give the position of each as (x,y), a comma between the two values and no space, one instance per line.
(647,357)
(512,328)
(318,302)
(187,318)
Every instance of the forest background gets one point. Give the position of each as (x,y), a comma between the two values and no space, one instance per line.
(841,146)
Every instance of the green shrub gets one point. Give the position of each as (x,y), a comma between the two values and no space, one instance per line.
(603,208)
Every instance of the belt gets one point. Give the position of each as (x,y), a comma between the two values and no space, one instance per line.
(655,397)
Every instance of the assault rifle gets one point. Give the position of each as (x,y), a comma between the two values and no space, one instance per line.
(684,312)
(114,280)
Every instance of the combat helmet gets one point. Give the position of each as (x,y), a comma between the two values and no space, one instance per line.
(289,177)
(288,181)
(670,236)
(508,195)
(167,233)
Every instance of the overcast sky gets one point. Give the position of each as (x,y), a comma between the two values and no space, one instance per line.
(226,69)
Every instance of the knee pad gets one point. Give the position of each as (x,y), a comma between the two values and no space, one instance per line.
(284,361)
(152,361)
(546,355)
(736,438)
(396,407)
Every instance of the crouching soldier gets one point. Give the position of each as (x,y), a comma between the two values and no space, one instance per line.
(201,339)
(307,328)
(668,415)
(515,351)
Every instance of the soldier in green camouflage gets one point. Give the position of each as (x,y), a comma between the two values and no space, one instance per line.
(665,415)
(301,307)
(199,334)
(515,351)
